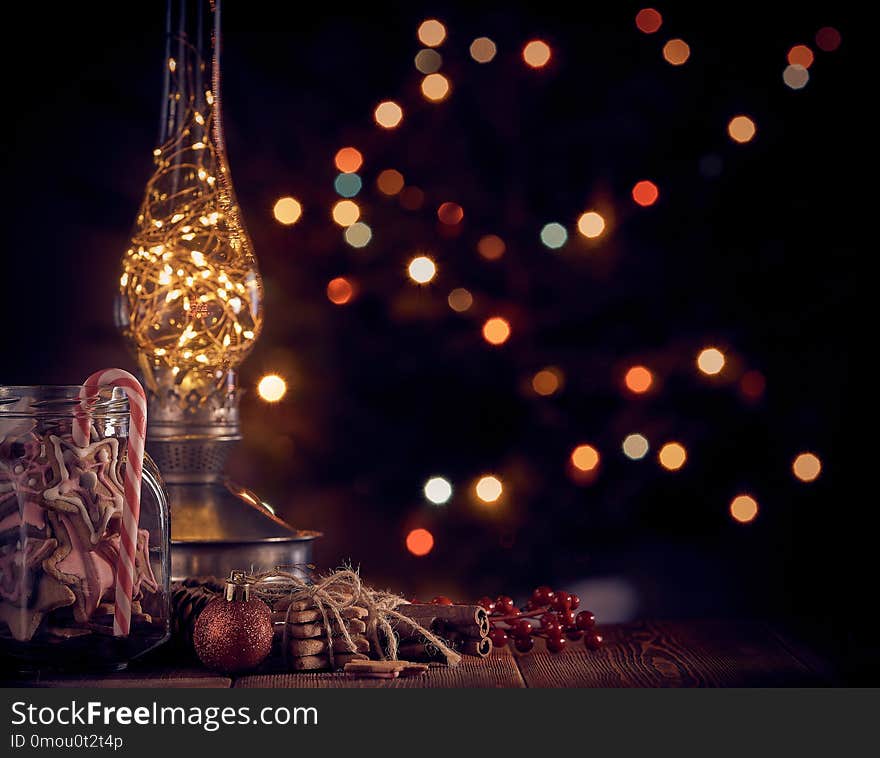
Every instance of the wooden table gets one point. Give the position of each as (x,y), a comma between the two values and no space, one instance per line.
(643,654)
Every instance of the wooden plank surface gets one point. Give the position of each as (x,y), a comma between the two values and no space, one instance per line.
(498,670)
(166,677)
(673,654)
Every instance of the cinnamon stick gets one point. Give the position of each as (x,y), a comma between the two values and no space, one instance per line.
(470,620)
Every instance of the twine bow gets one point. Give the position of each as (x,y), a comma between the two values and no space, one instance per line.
(331,595)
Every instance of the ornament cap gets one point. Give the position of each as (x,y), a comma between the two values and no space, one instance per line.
(238,588)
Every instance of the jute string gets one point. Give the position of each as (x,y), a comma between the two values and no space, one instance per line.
(331,595)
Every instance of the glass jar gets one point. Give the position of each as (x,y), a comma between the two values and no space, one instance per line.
(60,516)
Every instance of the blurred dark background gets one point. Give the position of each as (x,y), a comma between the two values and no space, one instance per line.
(752,248)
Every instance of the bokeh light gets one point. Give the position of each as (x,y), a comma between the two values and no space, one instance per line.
(800,55)
(795,77)
(483,49)
(752,384)
(460,299)
(339,290)
(422,269)
(412,198)
(591,224)
(741,129)
(585,458)
(435,87)
(744,508)
(431,32)
(672,456)
(554,235)
(807,467)
(420,542)
(547,381)
(287,210)
(438,490)
(645,193)
(348,160)
(388,114)
(346,212)
(676,52)
(491,247)
(496,330)
(489,488)
(710,361)
(638,380)
(428,61)
(358,234)
(828,39)
(635,446)
(272,388)
(450,213)
(390,182)
(648,20)
(536,53)
(347,185)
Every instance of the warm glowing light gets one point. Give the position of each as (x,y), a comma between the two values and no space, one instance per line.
(648,20)
(672,456)
(828,39)
(287,210)
(645,193)
(483,49)
(460,300)
(431,33)
(346,212)
(547,381)
(339,290)
(635,446)
(388,114)
(752,384)
(585,458)
(638,379)
(554,235)
(422,269)
(420,542)
(744,508)
(358,234)
(676,52)
(489,489)
(450,213)
(348,160)
(272,388)
(807,467)
(347,185)
(496,330)
(710,361)
(800,55)
(491,247)
(390,182)
(438,490)
(741,129)
(536,53)
(591,224)
(795,77)
(435,87)
(428,61)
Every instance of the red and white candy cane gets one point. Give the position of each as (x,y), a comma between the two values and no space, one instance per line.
(81,432)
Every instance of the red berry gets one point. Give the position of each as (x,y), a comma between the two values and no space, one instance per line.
(549,619)
(561,601)
(524,644)
(592,641)
(522,628)
(585,620)
(441,600)
(504,605)
(555,632)
(487,602)
(556,644)
(542,595)
(566,618)
(498,637)
(575,601)
(574,634)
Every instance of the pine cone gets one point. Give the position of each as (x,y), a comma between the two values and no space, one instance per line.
(187,602)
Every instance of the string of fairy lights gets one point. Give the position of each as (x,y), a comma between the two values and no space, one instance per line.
(584,464)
